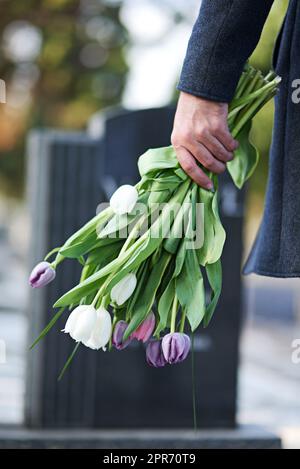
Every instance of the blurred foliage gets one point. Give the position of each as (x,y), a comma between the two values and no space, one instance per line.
(263,123)
(75,67)
(78,67)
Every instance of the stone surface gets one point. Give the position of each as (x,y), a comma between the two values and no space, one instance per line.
(241,438)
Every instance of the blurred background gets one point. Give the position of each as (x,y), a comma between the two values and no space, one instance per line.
(65,60)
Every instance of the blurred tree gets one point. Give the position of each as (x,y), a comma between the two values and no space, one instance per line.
(61,60)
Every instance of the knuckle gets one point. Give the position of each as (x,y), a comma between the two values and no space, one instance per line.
(188,166)
(220,169)
(216,126)
(201,132)
(208,162)
(186,136)
(179,138)
(220,154)
(233,145)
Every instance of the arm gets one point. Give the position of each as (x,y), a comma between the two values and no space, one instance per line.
(224,36)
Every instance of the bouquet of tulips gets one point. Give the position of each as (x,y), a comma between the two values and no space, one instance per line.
(146,255)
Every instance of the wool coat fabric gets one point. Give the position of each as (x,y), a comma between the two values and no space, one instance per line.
(224,36)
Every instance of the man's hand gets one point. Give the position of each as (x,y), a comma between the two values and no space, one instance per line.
(201,132)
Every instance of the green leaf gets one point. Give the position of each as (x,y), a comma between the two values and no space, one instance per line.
(219,232)
(146,298)
(214,275)
(142,275)
(245,158)
(104,254)
(177,231)
(121,223)
(214,233)
(190,289)
(68,362)
(157,159)
(130,259)
(55,250)
(180,258)
(164,306)
(48,327)
(89,228)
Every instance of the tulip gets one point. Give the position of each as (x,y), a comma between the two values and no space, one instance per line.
(101,332)
(154,354)
(175,347)
(81,323)
(42,274)
(124,199)
(118,334)
(123,289)
(90,326)
(145,330)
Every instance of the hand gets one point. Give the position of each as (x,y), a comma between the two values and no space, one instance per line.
(201,133)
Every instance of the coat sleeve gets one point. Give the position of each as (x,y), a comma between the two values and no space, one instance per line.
(223,38)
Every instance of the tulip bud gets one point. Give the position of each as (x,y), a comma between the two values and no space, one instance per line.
(118,334)
(90,326)
(42,274)
(175,347)
(123,289)
(145,330)
(81,323)
(101,332)
(154,354)
(124,199)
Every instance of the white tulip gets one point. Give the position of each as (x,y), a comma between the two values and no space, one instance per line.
(124,199)
(101,332)
(123,289)
(90,326)
(81,323)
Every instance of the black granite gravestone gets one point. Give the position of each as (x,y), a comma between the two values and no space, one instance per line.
(118,390)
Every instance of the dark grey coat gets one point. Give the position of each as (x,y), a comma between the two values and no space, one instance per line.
(224,36)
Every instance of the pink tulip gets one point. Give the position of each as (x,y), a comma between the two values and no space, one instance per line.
(145,330)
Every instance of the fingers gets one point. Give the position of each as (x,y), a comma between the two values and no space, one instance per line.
(224,136)
(205,157)
(190,166)
(216,148)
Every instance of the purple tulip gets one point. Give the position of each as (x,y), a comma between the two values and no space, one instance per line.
(145,330)
(175,347)
(42,274)
(118,334)
(154,354)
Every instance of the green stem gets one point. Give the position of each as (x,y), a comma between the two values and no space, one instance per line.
(268,87)
(174,314)
(133,234)
(250,112)
(194,398)
(243,82)
(112,329)
(68,362)
(182,322)
(101,291)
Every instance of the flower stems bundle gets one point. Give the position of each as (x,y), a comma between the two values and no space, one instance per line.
(147,256)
